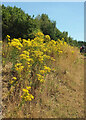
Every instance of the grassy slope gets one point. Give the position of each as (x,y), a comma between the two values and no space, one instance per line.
(61,96)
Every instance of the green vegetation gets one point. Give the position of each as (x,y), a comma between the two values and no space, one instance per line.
(18,24)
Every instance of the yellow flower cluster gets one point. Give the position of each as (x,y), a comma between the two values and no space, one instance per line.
(19,67)
(13,80)
(25,56)
(26,95)
(16,43)
(47,69)
(26,43)
(8,37)
(46,56)
(39,34)
(33,57)
(47,38)
(40,78)
(38,55)
(42,73)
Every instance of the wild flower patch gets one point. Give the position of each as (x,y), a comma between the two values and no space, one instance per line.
(29,59)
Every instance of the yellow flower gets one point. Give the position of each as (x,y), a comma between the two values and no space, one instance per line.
(47,37)
(26,95)
(40,78)
(16,43)
(42,71)
(62,39)
(39,34)
(8,36)
(25,90)
(72,52)
(46,56)
(47,69)
(11,81)
(60,51)
(19,67)
(52,59)
(14,78)
(28,87)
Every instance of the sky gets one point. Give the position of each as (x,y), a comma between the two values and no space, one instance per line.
(69,16)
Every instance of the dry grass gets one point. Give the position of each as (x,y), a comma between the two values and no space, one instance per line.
(61,96)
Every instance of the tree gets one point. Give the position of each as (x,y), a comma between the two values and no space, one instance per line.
(16,23)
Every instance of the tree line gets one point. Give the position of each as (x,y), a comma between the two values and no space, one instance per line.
(16,23)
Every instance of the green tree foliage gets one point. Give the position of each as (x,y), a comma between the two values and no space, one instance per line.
(16,23)
(80,43)
(46,26)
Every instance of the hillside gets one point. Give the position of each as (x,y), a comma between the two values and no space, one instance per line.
(53,72)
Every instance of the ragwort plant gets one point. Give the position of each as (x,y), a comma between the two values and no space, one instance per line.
(29,58)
